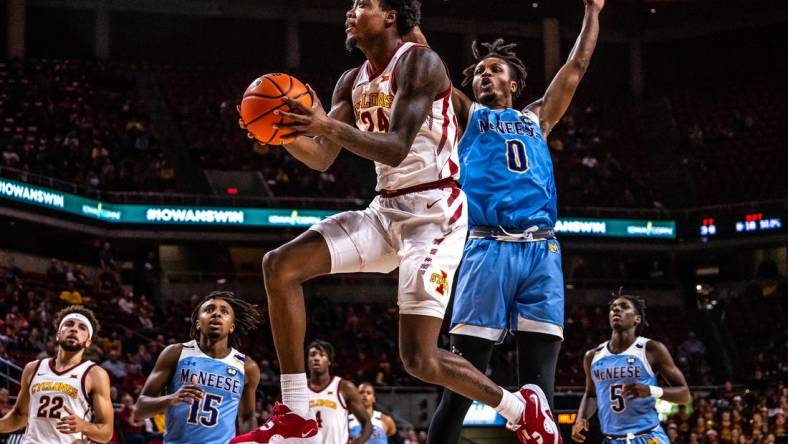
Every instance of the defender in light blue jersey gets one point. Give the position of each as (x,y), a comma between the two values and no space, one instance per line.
(210,385)
(621,380)
(382,425)
(510,279)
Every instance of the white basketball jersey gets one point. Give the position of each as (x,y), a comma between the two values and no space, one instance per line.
(50,392)
(330,411)
(433,155)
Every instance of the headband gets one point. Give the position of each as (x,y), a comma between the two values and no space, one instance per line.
(78,317)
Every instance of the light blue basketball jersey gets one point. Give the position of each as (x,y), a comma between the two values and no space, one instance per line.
(211,419)
(618,415)
(378,431)
(507,172)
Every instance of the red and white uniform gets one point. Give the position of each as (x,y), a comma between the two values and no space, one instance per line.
(50,393)
(419,220)
(330,411)
(433,155)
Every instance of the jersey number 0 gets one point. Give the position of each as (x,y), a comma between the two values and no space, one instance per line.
(516,157)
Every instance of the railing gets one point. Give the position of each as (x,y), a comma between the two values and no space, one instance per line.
(6,375)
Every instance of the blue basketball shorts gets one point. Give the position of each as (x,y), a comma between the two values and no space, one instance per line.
(509,286)
(656,436)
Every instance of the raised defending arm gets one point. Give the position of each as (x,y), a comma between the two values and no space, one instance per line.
(552,106)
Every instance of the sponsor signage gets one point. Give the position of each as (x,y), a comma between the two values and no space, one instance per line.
(276,217)
(158,214)
(663,229)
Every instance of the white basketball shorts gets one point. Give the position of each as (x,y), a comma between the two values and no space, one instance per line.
(422,233)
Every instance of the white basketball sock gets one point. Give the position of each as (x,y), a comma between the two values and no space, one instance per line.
(511,407)
(295,393)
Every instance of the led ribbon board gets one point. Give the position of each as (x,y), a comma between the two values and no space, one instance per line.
(662,229)
(273,217)
(158,214)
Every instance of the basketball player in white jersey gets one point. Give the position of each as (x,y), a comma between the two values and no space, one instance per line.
(396,110)
(382,425)
(331,398)
(64,400)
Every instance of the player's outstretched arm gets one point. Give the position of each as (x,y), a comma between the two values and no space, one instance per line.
(246,420)
(100,429)
(558,96)
(587,404)
(151,401)
(16,418)
(353,399)
(662,363)
(420,78)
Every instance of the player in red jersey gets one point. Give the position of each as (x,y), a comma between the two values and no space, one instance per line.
(395,110)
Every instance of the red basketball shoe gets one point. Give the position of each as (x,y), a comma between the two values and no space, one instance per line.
(284,427)
(537,425)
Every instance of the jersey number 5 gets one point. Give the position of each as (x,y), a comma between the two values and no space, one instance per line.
(516,157)
(617,401)
(209,406)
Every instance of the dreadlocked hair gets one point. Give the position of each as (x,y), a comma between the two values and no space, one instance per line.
(500,50)
(323,346)
(78,309)
(637,302)
(247,317)
(408,13)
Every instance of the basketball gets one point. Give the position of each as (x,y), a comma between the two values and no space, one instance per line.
(264,96)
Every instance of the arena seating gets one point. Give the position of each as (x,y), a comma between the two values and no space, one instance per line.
(86,122)
(79,121)
(360,333)
(730,137)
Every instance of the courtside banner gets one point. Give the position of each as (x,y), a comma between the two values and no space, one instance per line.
(276,217)
(157,215)
(663,229)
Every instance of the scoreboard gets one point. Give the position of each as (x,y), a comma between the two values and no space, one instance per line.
(732,225)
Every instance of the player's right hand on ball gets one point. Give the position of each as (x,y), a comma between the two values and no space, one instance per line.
(243,126)
(187,393)
(578,429)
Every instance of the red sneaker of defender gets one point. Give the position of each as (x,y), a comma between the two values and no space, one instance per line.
(284,427)
(537,425)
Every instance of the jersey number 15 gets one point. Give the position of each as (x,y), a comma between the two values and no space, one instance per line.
(205,411)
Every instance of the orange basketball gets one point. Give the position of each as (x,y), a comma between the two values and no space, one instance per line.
(266,95)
